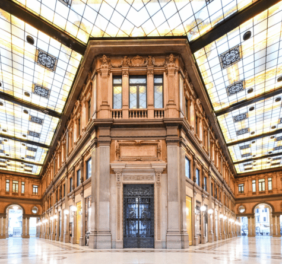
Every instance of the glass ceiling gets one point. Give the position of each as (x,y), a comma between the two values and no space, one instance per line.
(21,150)
(21,71)
(131,18)
(244,64)
(36,69)
(11,165)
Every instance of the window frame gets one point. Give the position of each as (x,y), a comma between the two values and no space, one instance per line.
(198,182)
(188,162)
(88,162)
(241,188)
(254,186)
(269,183)
(78,177)
(261,184)
(22,187)
(35,187)
(89,109)
(7,185)
(113,85)
(15,186)
(137,85)
(158,84)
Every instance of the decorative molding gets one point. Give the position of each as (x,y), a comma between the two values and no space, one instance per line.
(138,178)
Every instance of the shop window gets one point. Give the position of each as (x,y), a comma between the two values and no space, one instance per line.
(117,92)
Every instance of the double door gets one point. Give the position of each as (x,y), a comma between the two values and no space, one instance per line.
(138,216)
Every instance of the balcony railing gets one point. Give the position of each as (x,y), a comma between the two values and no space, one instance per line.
(138,113)
(159,113)
(116,114)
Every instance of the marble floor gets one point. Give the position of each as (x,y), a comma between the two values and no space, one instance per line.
(237,250)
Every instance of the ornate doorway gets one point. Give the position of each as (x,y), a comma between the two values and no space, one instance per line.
(138,223)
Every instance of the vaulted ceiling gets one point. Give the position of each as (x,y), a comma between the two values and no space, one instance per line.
(236,46)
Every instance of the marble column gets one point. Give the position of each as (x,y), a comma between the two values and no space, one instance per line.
(150,92)
(276,224)
(2,228)
(83,207)
(100,236)
(62,225)
(176,239)
(203,235)
(125,91)
(53,231)
(57,226)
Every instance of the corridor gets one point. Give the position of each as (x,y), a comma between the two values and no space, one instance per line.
(237,250)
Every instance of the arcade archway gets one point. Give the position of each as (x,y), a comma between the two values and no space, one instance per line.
(263,219)
(15,215)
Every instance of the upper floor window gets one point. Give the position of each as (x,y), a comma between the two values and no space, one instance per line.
(186,108)
(158,92)
(78,127)
(198,177)
(196,124)
(7,185)
(88,168)
(78,174)
(117,92)
(64,190)
(261,185)
(211,189)
(137,92)
(270,184)
(241,188)
(70,184)
(215,192)
(23,187)
(253,185)
(35,189)
(187,168)
(15,186)
(89,109)
(205,184)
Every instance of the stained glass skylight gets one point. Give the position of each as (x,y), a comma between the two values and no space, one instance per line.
(22,167)
(259,164)
(41,73)
(131,18)
(256,148)
(244,63)
(16,122)
(260,117)
(20,150)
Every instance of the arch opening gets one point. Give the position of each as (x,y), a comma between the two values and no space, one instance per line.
(15,215)
(262,219)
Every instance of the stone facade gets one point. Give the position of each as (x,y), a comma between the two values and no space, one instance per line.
(147,145)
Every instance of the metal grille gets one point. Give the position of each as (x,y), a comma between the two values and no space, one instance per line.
(138,224)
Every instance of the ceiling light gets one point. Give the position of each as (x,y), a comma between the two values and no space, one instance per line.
(27,94)
(273,127)
(250,90)
(251,108)
(24,135)
(277,99)
(272,137)
(247,35)
(253,132)
(269,152)
(23,144)
(4,130)
(30,39)
(254,155)
(253,142)
(25,111)
(1,103)
(279,79)
(7,155)
(6,140)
